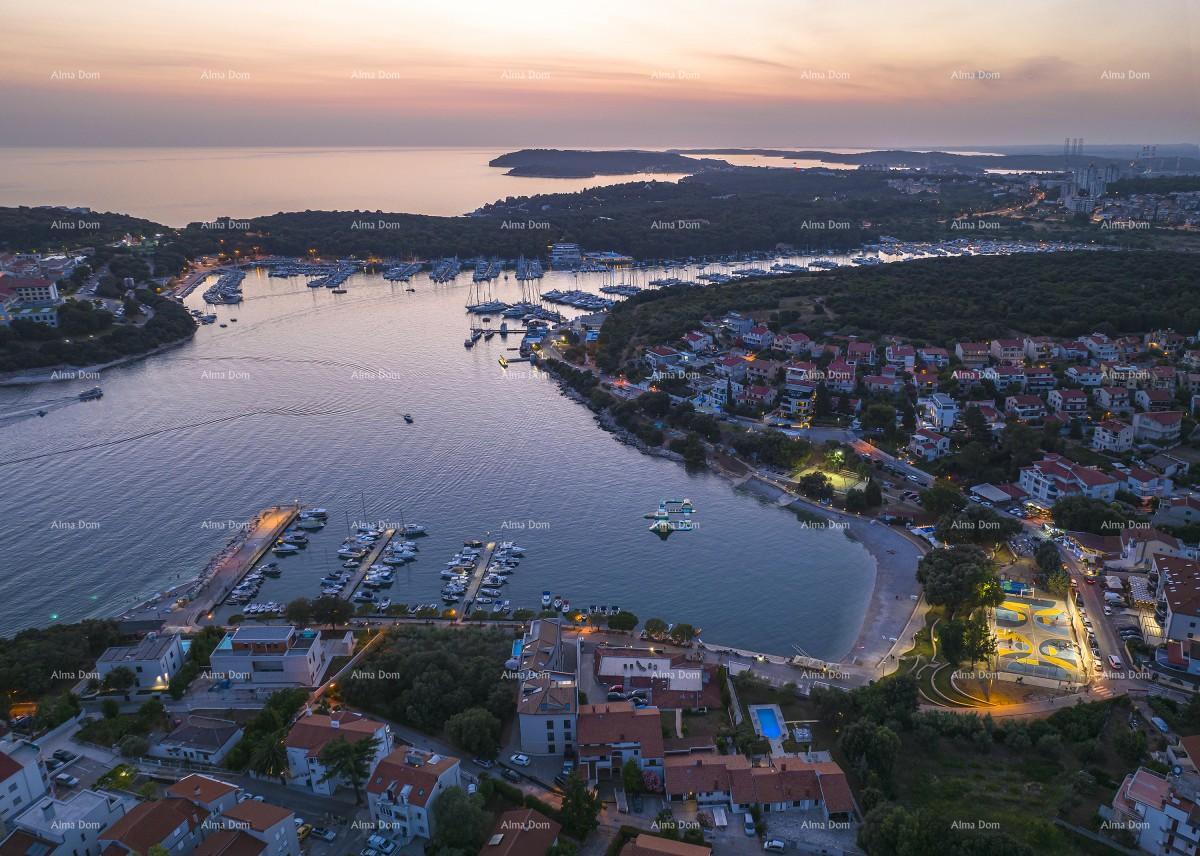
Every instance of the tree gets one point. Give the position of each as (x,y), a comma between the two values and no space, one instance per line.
(1081,514)
(816,486)
(331,610)
(682,633)
(975,525)
(623,621)
(879,417)
(978,428)
(133,746)
(950,636)
(943,498)
(350,762)
(958,577)
(299,612)
(270,756)
(476,730)
(856,501)
(462,822)
(110,708)
(580,807)
(871,747)
(978,641)
(655,627)
(120,678)
(631,776)
(874,494)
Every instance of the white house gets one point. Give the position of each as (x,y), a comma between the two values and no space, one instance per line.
(63,827)
(938,411)
(153,661)
(402,789)
(1112,435)
(312,732)
(273,656)
(1158,427)
(928,445)
(22,778)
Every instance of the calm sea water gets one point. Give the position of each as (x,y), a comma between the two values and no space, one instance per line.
(178,186)
(302,398)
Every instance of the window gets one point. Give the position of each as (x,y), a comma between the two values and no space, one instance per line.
(550,748)
(549,724)
(567,724)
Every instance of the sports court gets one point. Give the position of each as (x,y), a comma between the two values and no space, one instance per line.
(1033,638)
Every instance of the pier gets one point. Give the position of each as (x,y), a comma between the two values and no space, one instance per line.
(485,559)
(365,565)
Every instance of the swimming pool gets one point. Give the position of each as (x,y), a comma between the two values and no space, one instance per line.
(768,723)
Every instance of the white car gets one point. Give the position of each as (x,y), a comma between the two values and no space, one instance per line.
(520,760)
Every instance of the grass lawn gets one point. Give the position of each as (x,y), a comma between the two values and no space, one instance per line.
(842,481)
(705,724)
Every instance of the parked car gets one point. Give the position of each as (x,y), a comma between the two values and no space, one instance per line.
(66,780)
(323,833)
(774,845)
(1107,609)
(486,763)
(748,824)
(520,760)
(511,775)
(52,764)
(65,756)
(304,830)
(472,789)
(1114,663)
(383,845)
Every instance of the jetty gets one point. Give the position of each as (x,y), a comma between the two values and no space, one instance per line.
(485,559)
(365,565)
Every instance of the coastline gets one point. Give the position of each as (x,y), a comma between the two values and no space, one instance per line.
(46,374)
(895,591)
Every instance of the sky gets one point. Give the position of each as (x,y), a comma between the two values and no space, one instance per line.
(654,73)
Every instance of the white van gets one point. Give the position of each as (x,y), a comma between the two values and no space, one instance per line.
(1114,663)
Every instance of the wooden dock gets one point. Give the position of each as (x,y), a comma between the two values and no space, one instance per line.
(365,565)
(485,559)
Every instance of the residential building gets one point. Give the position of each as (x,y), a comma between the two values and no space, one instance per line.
(1039,348)
(1006,378)
(565,254)
(29,298)
(1163,427)
(901,357)
(662,358)
(403,787)
(1146,483)
(645,844)
(63,827)
(23,778)
(1178,511)
(312,732)
(612,733)
(890,384)
(1114,399)
(1069,403)
(669,681)
(204,739)
(937,411)
(758,337)
(521,831)
(1163,823)
(972,354)
(269,657)
(1177,608)
(925,381)
(174,824)
(1101,348)
(937,357)
(840,376)
(253,821)
(794,343)
(1025,408)
(792,782)
(1054,477)
(548,698)
(764,371)
(1154,399)
(730,366)
(1039,379)
(1010,352)
(153,661)
(1112,435)
(698,341)
(212,795)
(861,353)
(928,445)
(1089,376)
(757,395)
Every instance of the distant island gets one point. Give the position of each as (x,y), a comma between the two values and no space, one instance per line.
(560,163)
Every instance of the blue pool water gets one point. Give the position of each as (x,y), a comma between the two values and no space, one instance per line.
(768,723)
(516,647)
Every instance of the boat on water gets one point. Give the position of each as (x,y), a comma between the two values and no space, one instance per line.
(413,529)
(337,291)
(503,362)
(316,512)
(310,522)
(546,598)
(408,418)
(385,604)
(90,394)
(285,549)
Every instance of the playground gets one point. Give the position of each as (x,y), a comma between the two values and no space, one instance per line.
(1034,640)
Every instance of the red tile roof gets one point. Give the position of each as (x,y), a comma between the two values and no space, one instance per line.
(619,722)
(150,823)
(313,733)
(260,816)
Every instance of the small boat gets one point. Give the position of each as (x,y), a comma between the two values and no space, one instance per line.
(233,319)
(468,343)
(310,523)
(285,549)
(89,394)
(503,362)
(385,604)
(337,291)
(408,418)
(222,325)
(545,598)
(412,529)
(566,607)
(557,602)
(316,512)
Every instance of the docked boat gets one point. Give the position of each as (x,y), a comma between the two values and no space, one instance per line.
(385,604)
(310,523)
(285,549)
(316,512)
(546,598)
(410,529)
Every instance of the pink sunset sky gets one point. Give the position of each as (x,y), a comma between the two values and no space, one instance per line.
(610,73)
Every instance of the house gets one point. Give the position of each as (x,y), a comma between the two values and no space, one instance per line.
(212,795)
(794,343)
(861,353)
(800,782)
(645,844)
(548,697)
(23,778)
(29,298)
(731,366)
(902,357)
(1038,348)
(153,661)
(63,827)
(1006,378)
(1163,822)
(840,376)
(1100,348)
(1112,435)
(1178,511)
(311,733)
(936,357)
(1154,399)
(402,790)
(756,395)
(1071,403)
(1072,351)
(1025,408)
(199,738)
(670,681)
(737,324)
(972,354)
(759,337)
(612,733)
(1164,377)
(521,831)
(1088,376)
(884,384)
(764,371)
(799,402)
(662,358)
(1040,379)
(267,658)
(271,826)
(928,445)
(697,341)
(1162,427)
(1114,399)
(1177,607)
(937,411)
(1146,483)
(925,381)
(1054,477)
(1139,546)
(171,823)
(1008,352)
(993,417)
